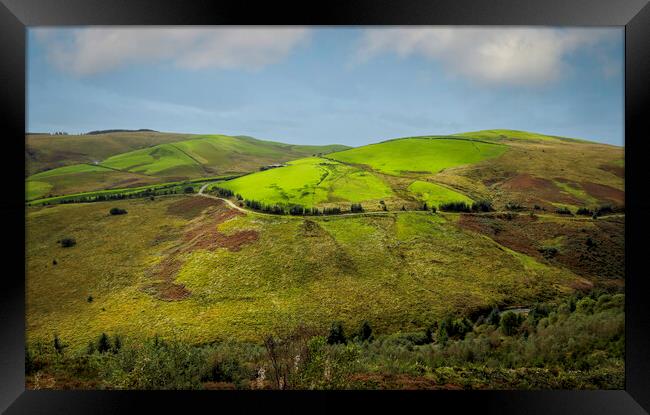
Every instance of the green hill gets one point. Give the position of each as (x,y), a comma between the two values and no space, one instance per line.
(502,166)
(44,151)
(419,154)
(195,156)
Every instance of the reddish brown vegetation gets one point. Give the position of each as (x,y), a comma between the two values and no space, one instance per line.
(539,188)
(589,248)
(604,192)
(200,235)
(617,170)
(190,207)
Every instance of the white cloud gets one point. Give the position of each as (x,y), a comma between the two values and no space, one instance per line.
(506,56)
(92,50)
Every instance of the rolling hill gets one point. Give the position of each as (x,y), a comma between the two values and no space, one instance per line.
(501,166)
(198,269)
(107,166)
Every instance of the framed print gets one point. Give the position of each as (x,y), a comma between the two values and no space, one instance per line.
(366,206)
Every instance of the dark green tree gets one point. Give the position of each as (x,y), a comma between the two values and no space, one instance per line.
(103,344)
(365,333)
(336,334)
(510,323)
(58,346)
(494,317)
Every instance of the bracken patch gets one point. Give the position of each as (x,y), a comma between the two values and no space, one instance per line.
(589,248)
(191,207)
(537,187)
(604,192)
(202,234)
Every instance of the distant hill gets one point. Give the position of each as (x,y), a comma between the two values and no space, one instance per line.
(125,159)
(120,131)
(44,151)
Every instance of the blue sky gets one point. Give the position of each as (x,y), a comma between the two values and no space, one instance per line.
(328,85)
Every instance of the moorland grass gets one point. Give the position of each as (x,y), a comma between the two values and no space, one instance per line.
(398,271)
(35,189)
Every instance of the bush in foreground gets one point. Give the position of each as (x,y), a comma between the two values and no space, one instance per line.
(117,211)
(67,242)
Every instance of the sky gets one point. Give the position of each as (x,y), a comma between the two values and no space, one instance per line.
(324,85)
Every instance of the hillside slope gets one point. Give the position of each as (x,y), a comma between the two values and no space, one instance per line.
(505,167)
(199,270)
(44,151)
(194,156)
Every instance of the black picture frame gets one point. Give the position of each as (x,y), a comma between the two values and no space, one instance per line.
(634,15)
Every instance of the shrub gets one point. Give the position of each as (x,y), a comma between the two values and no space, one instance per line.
(563,211)
(510,323)
(296,210)
(585,306)
(188,189)
(482,206)
(548,252)
(89,299)
(365,332)
(58,346)
(604,210)
(117,344)
(103,343)
(67,242)
(117,211)
(584,211)
(336,334)
(356,207)
(433,209)
(425,207)
(54,262)
(455,207)
(494,317)
(442,336)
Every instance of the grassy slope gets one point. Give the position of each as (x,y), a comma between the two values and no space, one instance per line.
(399,271)
(43,152)
(543,170)
(434,194)
(421,155)
(309,182)
(196,156)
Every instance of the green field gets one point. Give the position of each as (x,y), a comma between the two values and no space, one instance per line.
(310,182)
(434,194)
(419,155)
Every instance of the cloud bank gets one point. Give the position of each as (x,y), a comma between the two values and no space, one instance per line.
(501,56)
(93,50)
